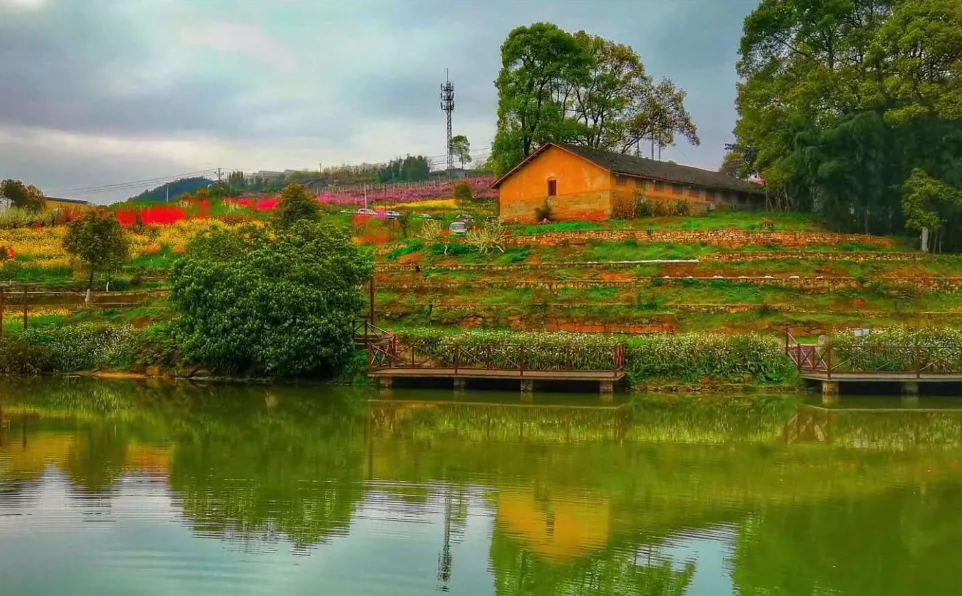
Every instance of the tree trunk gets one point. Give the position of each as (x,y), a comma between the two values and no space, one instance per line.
(90,286)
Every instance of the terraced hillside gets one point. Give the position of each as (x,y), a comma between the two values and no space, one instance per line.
(729,272)
(732,272)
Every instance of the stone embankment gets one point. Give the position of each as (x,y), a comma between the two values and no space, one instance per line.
(817,283)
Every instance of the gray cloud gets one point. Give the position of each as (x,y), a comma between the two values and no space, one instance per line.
(294,83)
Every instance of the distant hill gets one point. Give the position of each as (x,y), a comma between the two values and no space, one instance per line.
(176,188)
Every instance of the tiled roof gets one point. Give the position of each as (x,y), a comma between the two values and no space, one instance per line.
(642,167)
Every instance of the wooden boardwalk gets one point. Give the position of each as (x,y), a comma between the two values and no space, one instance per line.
(388,361)
(883,377)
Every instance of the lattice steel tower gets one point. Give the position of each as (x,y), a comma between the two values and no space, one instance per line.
(447,106)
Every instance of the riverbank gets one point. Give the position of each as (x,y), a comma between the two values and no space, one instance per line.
(696,361)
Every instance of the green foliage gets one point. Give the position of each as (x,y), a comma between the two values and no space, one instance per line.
(19,217)
(279,305)
(461,149)
(174,190)
(898,349)
(696,356)
(98,241)
(410,247)
(296,204)
(536,62)
(545,351)
(689,357)
(22,357)
(412,168)
(842,101)
(29,198)
(930,203)
(462,193)
(85,346)
(682,208)
(581,88)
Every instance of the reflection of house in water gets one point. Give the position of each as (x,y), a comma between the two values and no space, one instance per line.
(555,529)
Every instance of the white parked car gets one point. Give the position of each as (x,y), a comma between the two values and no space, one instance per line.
(366,212)
(458,228)
(392,215)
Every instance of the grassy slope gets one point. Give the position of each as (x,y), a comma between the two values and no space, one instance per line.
(629,296)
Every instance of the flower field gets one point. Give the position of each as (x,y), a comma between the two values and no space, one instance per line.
(402,194)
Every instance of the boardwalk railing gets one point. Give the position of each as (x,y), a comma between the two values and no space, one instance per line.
(875,358)
(366,332)
(509,357)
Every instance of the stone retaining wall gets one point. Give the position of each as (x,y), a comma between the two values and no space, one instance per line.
(723,238)
(949,284)
(725,257)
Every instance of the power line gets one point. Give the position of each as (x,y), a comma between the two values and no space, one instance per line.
(132,184)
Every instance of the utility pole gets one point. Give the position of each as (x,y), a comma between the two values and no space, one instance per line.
(167,192)
(218,174)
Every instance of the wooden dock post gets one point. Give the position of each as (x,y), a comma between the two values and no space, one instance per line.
(829,392)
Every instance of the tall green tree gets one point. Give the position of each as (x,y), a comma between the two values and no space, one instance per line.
(461,148)
(97,240)
(296,204)
(618,106)
(581,89)
(841,101)
(23,196)
(539,64)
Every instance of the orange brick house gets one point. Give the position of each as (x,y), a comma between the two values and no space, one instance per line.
(579,183)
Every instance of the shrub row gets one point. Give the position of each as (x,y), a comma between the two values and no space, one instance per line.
(69,349)
(898,349)
(688,357)
(694,357)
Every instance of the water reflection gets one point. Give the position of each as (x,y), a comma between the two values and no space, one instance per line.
(255,490)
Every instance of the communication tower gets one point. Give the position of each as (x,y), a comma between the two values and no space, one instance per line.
(447,106)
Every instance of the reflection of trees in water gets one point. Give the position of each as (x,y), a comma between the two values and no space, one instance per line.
(904,541)
(252,464)
(290,467)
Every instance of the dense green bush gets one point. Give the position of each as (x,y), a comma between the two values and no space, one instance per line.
(696,356)
(84,346)
(278,304)
(545,351)
(898,349)
(688,357)
(19,357)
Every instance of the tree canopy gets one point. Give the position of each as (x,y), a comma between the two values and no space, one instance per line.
(296,204)
(22,196)
(582,89)
(461,148)
(98,240)
(278,302)
(842,101)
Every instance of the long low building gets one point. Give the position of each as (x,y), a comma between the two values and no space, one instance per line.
(579,183)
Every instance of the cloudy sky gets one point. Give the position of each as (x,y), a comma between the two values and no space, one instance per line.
(105,92)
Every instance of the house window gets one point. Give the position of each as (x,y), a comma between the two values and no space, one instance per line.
(676,189)
(710,194)
(621,180)
(694,192)
(659,186)
(552,187)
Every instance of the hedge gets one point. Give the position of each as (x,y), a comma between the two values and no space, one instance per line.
(688,357)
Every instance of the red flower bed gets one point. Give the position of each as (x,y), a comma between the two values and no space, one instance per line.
(164,216)
(127,217)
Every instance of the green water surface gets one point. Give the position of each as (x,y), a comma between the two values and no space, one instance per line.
(123,488)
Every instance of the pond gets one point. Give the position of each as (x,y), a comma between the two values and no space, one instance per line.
(111,487)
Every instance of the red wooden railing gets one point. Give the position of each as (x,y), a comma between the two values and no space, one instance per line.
(387,353)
